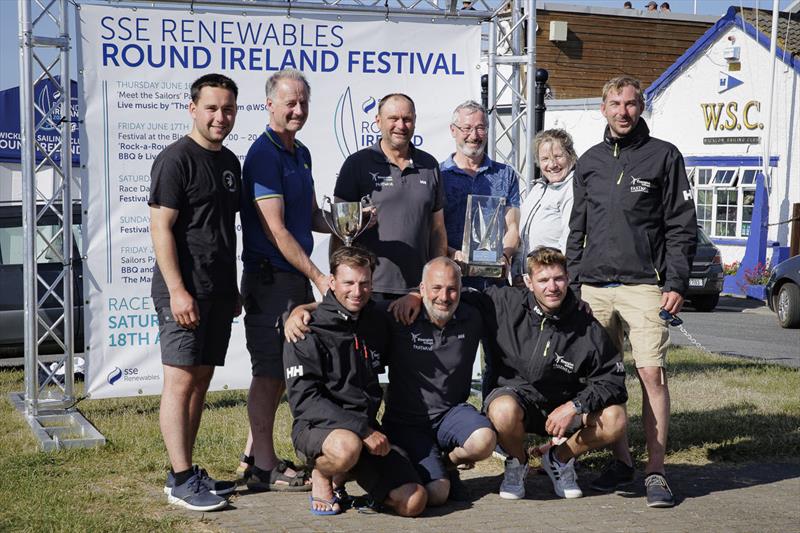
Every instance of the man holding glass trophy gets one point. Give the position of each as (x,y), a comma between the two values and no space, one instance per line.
(482,211)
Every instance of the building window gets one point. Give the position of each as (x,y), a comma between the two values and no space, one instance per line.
(724,198)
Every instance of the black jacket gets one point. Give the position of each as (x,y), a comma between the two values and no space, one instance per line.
(633,218)
(552,358)
(332,375)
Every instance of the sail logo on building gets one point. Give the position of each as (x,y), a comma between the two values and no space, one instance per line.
(727,82)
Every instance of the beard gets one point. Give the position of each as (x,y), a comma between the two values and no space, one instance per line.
(472,150)
(437,314)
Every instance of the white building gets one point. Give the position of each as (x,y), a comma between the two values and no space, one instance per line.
(713,104)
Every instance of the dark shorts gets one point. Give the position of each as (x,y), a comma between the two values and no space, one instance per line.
(264,304)
(535,415)
(205,345)
(377,475)
(425,444)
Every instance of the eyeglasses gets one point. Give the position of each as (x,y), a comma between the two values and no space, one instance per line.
(673,320)
(466,130)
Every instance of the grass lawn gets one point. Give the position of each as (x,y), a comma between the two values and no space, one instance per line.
(724,410)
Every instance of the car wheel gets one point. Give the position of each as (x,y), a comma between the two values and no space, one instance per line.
(788,307)
(705,303)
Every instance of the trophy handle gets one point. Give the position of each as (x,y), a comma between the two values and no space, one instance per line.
(327,216)
(365,202)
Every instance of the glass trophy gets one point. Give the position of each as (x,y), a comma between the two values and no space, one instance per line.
(484,227)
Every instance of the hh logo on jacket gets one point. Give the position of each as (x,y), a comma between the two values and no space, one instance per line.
(294,371)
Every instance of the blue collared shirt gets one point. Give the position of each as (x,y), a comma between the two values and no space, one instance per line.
(492,179)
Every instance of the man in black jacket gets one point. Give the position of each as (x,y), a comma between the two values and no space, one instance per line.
(334,395)
(633,234)
(558,374)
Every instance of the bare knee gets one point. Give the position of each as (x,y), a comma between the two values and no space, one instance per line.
(613,422)
(505,413)
(481,443)
(341,450)
(408,500)
(438,490)
(653,378)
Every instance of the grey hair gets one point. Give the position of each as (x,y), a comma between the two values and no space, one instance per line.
(471,106)
(444,260)
(555,136)
(285,74)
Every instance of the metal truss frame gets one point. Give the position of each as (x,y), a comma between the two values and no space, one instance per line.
(47,404)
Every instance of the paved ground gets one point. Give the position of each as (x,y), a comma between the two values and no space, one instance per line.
(743,328)
(713,498)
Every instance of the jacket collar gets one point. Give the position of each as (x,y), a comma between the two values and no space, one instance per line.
(638,136)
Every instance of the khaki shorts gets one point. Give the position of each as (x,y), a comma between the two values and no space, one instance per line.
(632,309)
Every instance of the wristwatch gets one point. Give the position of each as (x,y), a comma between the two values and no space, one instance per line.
(579,409)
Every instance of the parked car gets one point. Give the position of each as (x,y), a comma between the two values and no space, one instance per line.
(705,279)
(49,267)
(783,292)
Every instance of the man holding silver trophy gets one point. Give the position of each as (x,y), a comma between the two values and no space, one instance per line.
(406,189)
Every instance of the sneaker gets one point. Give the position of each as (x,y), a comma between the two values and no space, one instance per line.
(617,474)
(564,478)
(658,493)
(513,485)
(195,496)
(216,487)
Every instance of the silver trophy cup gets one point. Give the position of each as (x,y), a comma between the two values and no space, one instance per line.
(484,227)
(346,219)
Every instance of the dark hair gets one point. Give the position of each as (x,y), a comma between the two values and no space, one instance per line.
(545,256)
(397,95)
(352,256)
(213,80)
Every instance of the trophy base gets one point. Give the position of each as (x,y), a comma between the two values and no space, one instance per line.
(483,270)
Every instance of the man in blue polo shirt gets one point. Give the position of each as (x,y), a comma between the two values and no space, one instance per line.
(470,171)
(279,211)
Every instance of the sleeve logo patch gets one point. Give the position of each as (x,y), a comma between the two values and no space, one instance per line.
(294,371)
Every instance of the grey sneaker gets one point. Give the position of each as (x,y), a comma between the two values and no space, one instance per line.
(658,492)
(564,478)
(195,496)
(216,487)
(617,474)
(513,485)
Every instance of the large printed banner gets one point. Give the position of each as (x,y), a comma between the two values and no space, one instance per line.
(138,66)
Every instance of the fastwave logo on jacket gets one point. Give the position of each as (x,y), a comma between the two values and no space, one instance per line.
(640,185)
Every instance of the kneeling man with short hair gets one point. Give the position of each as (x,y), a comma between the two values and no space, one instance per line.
(334,395)
(558,373)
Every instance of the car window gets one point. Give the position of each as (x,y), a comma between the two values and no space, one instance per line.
(11,244)
(702,238)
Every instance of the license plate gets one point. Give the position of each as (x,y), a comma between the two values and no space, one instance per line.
(696,282)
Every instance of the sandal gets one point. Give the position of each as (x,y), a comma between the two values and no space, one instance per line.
(244,473)
(328,503)
(263,480)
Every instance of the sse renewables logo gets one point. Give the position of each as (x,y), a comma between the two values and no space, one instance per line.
(355,128)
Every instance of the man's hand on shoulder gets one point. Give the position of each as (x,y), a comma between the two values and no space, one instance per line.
(671,302)
(184,309)
(406,309)
(377,443)
(296,325)
(559,420)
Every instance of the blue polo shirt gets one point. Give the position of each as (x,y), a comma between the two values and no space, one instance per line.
(271,171)
(492,179)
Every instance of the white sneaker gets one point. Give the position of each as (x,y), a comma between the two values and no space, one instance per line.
(513,485)
(564,478)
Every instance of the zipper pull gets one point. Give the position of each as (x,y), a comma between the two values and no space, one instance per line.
(620,177)
(355,338)
(546,346)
